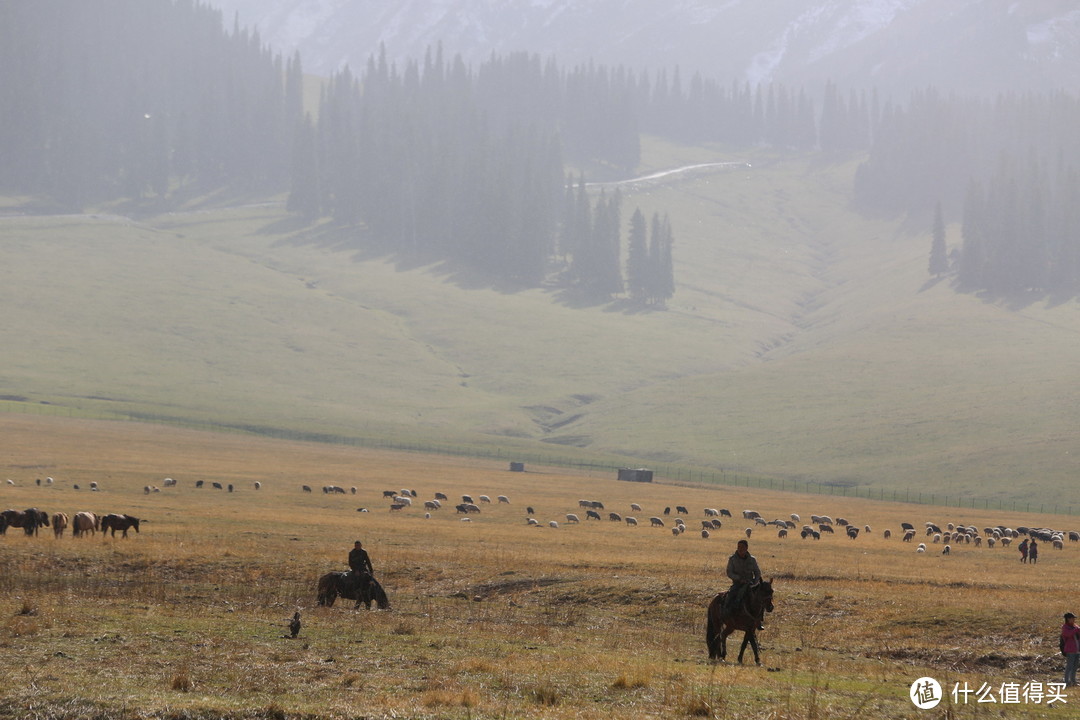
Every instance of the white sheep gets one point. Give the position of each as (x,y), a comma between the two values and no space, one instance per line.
(504,500)
(572,518)
(485,499)
(635,507)
(553,524)
(795,517)
(921,548)
(631,520)
(656,522)
(749,531)
(946,550)
(258,485)
(532,521)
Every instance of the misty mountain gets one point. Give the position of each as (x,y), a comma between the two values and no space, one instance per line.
(893,45)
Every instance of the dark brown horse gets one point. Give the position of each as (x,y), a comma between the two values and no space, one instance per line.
(29,520)
(757,600)
(361,587)
(123,523)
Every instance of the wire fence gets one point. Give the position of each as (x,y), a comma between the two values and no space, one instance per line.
(670,472)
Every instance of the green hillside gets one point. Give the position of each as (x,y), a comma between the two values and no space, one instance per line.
(804,340)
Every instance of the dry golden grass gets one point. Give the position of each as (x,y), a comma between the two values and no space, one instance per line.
(491,618)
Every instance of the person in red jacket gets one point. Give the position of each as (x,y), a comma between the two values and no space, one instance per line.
(1070,647)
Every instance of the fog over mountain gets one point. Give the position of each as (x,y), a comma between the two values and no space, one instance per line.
(893,45)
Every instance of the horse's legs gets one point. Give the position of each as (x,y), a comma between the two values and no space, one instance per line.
(747,636)
(753,644)
(723,640)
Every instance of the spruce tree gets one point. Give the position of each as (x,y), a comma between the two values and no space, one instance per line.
(637,259)
(939,263)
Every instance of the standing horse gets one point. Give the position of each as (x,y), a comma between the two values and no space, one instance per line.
(361,587)
(756,602)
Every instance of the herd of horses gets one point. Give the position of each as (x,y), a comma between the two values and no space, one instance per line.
(32,519)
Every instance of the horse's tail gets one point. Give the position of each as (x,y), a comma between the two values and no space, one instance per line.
(713,626)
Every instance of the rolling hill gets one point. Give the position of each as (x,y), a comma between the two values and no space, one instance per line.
(804,340)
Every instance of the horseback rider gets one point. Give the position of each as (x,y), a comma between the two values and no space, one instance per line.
(742,568)
(359,562)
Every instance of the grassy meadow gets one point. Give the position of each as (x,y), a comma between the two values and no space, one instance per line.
(491,618)
(805,341)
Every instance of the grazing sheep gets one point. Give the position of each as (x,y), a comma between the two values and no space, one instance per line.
(10,481)
(307,488)
(528,510)
(94,486)
(146,489)
(675,531)
(466,519)
(781,533)
(439,496)
(592,514)
(750,514)
(866,528)
(635,507)
(680,521)
(1058,544)
(749,531)
(532,521)
(795,518)
(716,524)
(217,486)
(394,507)
(230,488)
(887,534)
(681,509)
(946,550)
(760,521)
(921,548)
(724,512)
(656,522)
(909,535)
(389,493)
(351,489)
(485,499)
(403,500)
(1005,541)
(258,485)
(712,512)
(667,511)
(991,542)
(572,518)
(706,524)
(553,524)
(705,534)
(167,482)
(937,538)
(842,522)
(431,505)
(825,528)
(631,520)
(467,499)
(852,532)
(504,500)
(614,517)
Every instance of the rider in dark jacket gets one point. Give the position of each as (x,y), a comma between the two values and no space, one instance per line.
(359,561)
(742,568)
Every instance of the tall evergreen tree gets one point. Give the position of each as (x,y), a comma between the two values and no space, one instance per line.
(939,262)
(637,259)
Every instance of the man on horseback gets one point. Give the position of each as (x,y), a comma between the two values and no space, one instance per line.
(359,562)
(744,572)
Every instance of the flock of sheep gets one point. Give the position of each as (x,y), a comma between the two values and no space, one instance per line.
(819,525)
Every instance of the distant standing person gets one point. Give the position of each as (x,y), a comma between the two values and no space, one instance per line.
(359,562)
(1033,552)
(1024,551)
(1070,647)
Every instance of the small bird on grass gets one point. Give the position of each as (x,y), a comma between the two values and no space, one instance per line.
(294,624)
